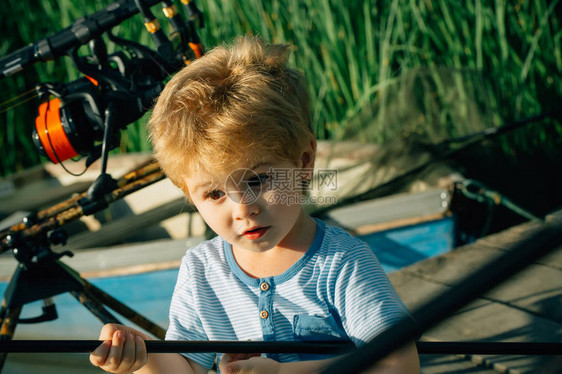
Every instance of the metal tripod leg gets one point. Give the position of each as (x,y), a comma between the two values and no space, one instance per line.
(23,288)
(93,297)
(95,307)
(125,311)
(10,318)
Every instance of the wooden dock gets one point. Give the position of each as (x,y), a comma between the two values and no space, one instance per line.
(526,308)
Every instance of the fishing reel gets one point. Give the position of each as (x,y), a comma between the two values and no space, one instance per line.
(73,118)
(84,117)
(70,124)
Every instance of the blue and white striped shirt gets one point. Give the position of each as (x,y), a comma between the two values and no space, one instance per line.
(336,290)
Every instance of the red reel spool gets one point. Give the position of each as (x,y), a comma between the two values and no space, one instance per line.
(51,133)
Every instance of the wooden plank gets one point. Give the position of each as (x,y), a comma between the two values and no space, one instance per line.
(501,241)
(496,322)
(392,210)
(482,320)
(133,269)
(367,229)
(442,364)
(118,260)
(38,195)
(45,184)
(113,232)
(537,289)
(525,308)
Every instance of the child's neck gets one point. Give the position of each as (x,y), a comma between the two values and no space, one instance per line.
(280,258)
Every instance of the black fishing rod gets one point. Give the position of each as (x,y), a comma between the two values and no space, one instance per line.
(169,346)
(319,347)
(80,32)
(495,131)
(442,151)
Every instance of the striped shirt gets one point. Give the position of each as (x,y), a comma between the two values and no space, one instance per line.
(336,290)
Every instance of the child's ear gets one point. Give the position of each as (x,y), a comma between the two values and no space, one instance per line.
(308,156)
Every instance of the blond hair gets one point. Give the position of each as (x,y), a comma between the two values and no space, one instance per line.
(236,105)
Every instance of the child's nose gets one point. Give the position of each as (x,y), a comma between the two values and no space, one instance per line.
(245,208)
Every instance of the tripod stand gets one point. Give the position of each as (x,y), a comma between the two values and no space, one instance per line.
(40,276)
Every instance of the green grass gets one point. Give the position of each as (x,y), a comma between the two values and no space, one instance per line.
(376,69)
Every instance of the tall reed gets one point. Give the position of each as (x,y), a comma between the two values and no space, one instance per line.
(375,68)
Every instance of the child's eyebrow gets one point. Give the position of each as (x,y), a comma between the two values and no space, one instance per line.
(204,185)
(254,167)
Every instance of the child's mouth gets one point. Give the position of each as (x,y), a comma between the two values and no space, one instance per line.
(256,233)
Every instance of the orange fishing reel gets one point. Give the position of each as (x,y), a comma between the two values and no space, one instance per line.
(84,117)
(69,124)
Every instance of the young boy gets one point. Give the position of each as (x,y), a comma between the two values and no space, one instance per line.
(225,129)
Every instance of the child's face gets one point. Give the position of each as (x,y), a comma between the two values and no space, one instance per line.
(255,208)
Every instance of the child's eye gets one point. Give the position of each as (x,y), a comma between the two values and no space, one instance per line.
(258,180)
(214,194)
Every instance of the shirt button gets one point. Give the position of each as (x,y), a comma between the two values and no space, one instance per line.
(264,314)
(264,286)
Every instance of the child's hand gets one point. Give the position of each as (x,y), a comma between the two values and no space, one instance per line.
(122,351)
(249,363)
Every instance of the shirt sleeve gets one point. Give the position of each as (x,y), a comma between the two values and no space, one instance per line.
(364,297)
(184,321)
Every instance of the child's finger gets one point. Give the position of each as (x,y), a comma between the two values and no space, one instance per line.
(228,358)
(128,352)
(116,351)
(245,356)
(99,355)
(141,356)
(239,367)
(108,330)
(231,357)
